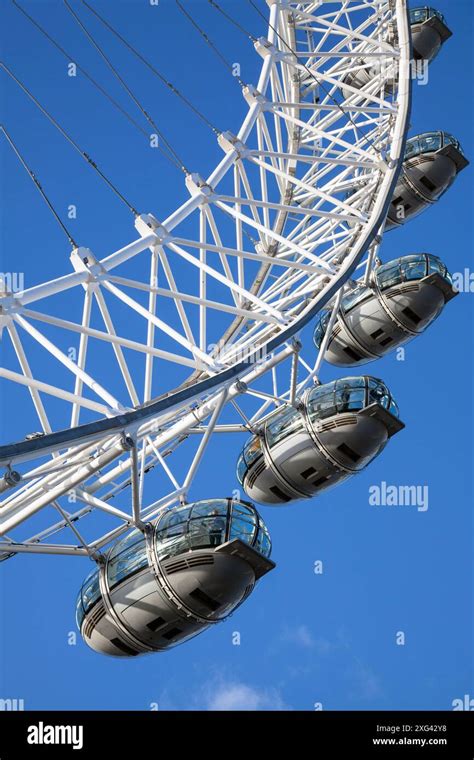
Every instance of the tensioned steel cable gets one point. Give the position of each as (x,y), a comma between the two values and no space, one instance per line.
(211,44)
(239,80)
(80,68)
(232,20)
(168,84)
(173,155)
(153,69)
(38,186)
(228,66)
(68,137)
(311,73)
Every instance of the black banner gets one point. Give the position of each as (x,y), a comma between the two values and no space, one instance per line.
(150,734)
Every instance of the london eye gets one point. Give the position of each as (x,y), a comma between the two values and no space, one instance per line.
(193,328)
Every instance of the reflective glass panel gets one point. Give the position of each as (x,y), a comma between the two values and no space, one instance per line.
(128,562)
(378,393)
(80,615)
(243,510)
(355,296)
(320,328)
(393,408)
(252,450)
(91,590)
(132,538)
(450,140)
(425,143)
(418,15)
(243,529)
(198,525)
(207,530)
(435,265)
(431,141)
(388,275)
(347,399)
(412,147)
(321,401)
(207,508)
(413,267)
(169,547)
(174,522)
(283,424)
(263,543)
(241,469)
(211,523)
(447,276)
(321,405)
(88,596)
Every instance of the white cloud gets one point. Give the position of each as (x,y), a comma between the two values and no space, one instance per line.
(302,636)
(367,683)
(239,696)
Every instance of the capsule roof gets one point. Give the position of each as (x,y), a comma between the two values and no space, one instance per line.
(348,394)
(429,32)
(414,266)
(422,14)
(432,142)
(183,529)
(190,527)
(408,268)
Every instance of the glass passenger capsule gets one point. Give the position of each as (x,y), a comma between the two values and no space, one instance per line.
(429,32)
(336,431)
(431,164)
(405,296)
(193,567)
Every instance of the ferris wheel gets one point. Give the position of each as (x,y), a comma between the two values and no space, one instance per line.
(194,329)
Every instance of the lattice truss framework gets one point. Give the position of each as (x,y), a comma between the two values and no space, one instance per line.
(191,330)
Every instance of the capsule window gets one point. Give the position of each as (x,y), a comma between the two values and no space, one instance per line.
(172,633)
(386,341)
(376,334)
(388,275)
(243,529)
(200,596)
(348,452)
(123,647)
(400,201)
(319,481)
(428,184)
(285,423)
(413,268)
(354,297)
(411,315)
(348,397)
(88,596)
(155,624)
(352,354)
(307,473)
(126,558)
(430,142)
(278,492)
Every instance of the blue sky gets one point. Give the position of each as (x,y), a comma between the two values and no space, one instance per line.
(306,638)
